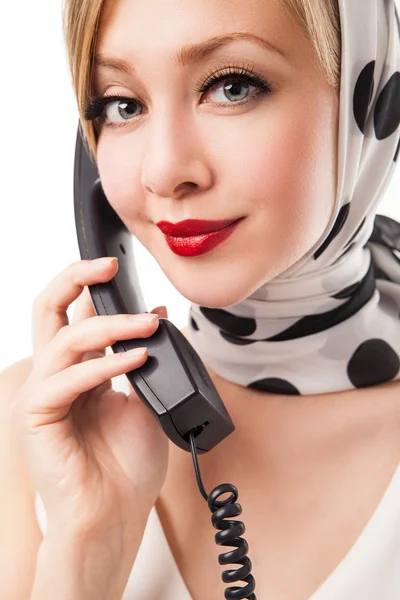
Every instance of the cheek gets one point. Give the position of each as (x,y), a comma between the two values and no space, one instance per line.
(120,178)
(283,162)
(288,175)
(296,173)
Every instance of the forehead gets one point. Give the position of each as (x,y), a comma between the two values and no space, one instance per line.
(140,28)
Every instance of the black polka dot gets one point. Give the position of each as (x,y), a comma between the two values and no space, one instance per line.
(340,221)
(275,386)
(229,322)
(397,151)
(363,94)
(387,108)
(372,363)
(194,324)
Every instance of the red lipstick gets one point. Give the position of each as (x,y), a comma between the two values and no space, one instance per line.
(195,237)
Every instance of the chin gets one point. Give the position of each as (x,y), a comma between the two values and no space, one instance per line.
(214,288)
(223,277)
(217,298)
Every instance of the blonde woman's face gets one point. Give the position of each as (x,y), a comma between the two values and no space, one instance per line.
(258,145)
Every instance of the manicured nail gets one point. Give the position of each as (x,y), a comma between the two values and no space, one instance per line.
(135,352)
(143,318)
(104,261)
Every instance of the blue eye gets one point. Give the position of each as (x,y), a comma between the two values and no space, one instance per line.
(101,109)
(122,107)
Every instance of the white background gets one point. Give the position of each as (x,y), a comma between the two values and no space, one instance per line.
(38,129)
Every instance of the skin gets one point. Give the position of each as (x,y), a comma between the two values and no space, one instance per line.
(272,160)
(308,468)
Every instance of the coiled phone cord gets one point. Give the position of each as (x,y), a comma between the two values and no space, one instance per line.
(229,535)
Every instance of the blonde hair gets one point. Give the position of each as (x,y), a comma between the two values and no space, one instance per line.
(318,20)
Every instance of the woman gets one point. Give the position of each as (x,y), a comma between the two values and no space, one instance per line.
(291,133)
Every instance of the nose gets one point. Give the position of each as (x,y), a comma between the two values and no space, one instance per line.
(175,161)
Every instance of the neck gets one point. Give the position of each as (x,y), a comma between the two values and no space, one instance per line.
(283,421)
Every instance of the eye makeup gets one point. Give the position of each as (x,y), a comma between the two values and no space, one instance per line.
(94,110)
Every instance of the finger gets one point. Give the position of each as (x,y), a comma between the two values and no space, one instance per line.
(49,312)
(96,333)
(50,400)
(84,307)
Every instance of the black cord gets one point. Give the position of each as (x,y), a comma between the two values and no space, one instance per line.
(229,534)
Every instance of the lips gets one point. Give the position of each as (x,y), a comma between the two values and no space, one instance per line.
(193,227)
(194,237)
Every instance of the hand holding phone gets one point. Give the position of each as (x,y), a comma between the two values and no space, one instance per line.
(98,457)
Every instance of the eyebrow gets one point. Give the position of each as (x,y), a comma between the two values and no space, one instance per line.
(192,53)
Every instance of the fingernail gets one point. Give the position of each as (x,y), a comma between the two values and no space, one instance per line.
(160,309)
(104,261)
(143,318)
(134,352)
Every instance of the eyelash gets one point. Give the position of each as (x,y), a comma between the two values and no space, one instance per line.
(94,110)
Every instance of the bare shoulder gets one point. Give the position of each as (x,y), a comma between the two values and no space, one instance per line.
(13,376)
(19,530)
(14,465)
(11,379)
(388,394)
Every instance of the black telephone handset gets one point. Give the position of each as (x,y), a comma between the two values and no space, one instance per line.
(173,381)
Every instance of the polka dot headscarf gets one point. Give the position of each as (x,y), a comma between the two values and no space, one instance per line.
(332,321)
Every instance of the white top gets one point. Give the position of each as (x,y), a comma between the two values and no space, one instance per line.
(369,571)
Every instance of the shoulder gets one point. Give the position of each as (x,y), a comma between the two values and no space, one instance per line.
(11,379)
(13,376)
(20,533)
(387,395)
(16,476)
